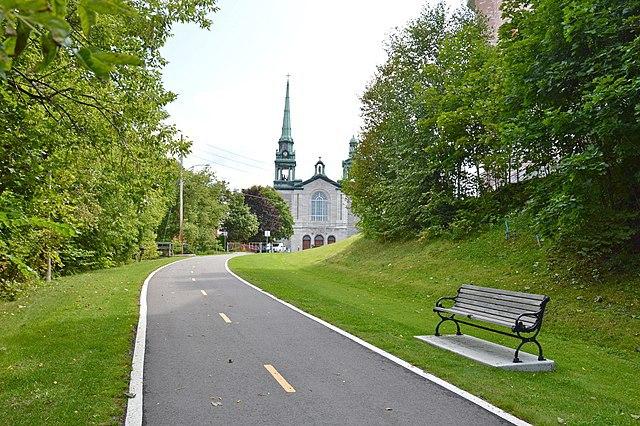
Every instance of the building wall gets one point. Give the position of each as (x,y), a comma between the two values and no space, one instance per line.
(341,222)
(490,9)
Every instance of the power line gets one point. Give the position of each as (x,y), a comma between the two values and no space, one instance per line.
(236,161)
(234,153)
(211,162)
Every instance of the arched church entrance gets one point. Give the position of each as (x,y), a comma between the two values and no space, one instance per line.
(318,241)
(306,242)
(331,239)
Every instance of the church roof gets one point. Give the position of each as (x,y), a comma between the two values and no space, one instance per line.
(323,177)
(286,119)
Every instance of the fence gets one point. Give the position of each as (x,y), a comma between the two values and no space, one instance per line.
(255,247)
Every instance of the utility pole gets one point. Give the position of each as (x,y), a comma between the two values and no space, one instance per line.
(181,235)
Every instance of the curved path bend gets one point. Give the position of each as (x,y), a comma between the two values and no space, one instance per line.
(201,367)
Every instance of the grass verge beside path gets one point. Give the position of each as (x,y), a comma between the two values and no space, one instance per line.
(65,349)
(385,294)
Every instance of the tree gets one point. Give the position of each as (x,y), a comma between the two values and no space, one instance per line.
(428,126)
(84,140)
(271,210)
(459,132)
(241,224)
(572,81)
(204,211)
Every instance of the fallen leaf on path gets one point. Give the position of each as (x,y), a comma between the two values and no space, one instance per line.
(216,403)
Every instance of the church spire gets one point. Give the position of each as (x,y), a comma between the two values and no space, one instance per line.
(346,164)
(285,164)
(286,119)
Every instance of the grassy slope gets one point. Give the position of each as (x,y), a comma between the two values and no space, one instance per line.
(385,294)
(65,350)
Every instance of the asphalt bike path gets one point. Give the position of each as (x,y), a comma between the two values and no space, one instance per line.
(221,352)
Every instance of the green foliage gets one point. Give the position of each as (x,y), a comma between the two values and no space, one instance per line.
(86,175)
(59,25)
(204,212)
(241,224)
(453,123)
(577,116)
(271,210)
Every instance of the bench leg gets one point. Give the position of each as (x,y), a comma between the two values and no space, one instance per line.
(540,356)
(515,358)
(458,332)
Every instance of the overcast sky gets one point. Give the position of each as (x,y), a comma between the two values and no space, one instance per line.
(230,81)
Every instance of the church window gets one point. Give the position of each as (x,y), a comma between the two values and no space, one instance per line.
(318,241)
(331,239)
(319,207)
(306,242)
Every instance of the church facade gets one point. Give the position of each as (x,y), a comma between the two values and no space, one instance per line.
(321,212)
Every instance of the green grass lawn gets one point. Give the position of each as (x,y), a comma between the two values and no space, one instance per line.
(65,349)
(385,295)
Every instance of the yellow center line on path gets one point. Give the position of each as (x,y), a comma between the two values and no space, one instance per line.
(285,385)
(204,293)
(224,317)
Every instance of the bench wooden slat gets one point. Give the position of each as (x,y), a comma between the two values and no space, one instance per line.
(517,294)
(525,307)
(500,296)
(493,305)
(491,311)
(528,321)
(505,297)
(479,317)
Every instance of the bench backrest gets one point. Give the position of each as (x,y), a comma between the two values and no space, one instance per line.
(504,305)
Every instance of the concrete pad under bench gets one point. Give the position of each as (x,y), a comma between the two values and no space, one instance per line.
(488,353)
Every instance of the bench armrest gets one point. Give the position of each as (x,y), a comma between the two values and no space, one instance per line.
(439,301)
(521,327)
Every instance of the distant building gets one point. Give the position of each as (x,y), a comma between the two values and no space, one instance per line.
(490,9)
(321,212)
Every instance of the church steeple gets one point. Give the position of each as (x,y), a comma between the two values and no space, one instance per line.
(346,164)
(285,164)
(286,119)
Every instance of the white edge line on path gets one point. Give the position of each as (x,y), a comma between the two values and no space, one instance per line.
(462,393)
(134,405)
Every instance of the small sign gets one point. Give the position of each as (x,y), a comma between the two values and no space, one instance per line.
(267,233)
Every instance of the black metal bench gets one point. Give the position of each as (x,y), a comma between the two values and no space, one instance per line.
(520,312)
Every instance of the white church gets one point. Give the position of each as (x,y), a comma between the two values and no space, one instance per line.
(321,212)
